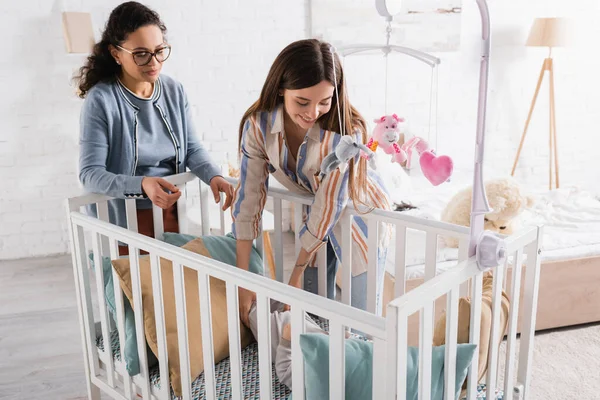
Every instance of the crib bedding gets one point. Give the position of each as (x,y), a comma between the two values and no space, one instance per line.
(571,219)
(250,376)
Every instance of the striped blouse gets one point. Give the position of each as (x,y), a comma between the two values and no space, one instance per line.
(263,152)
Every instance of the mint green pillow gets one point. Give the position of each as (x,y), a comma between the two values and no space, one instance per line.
(359,368)
(221,248)
(130,354)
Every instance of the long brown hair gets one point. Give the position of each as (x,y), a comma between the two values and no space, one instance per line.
(304,64)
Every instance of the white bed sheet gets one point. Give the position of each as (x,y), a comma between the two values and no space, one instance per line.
(570,216)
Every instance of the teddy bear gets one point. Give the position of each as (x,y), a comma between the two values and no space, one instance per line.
(506,199)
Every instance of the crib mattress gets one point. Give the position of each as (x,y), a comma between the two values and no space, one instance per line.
(250,376)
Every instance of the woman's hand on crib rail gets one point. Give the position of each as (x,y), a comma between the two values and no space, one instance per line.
(245,298)
(156,190)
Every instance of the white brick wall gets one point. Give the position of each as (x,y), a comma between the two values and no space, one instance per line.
(222,51)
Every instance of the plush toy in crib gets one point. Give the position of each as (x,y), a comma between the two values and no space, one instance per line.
(506,199)
(347,149)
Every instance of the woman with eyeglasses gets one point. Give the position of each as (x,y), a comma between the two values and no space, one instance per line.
(136,125)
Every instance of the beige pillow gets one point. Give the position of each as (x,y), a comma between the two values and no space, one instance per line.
(464,323)
(218,301)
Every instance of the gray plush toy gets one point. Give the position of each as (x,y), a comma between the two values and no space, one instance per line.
(346,150)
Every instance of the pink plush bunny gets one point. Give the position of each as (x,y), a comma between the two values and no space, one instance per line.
(386,135)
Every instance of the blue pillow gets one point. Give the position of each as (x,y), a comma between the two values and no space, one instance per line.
(359,368)
(221,248)
(130,354)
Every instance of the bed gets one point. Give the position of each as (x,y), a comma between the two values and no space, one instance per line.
(570,254)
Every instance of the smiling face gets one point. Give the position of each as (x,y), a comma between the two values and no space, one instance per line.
(303,107)
(141,42)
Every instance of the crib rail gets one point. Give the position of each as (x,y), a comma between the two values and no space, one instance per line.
(423,298)
(113,378)
(389,335)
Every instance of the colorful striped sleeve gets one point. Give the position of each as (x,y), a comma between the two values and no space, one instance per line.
(330,199)
(251,193)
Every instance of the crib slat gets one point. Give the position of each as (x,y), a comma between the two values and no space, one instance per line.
(392,377)
(278,210)
(103,216)
(379,353)
(495,334)
(134,267)
(372,268)
(425,350)
(511,346)
(346,267)
(530,296)
(400,261)
(298,209)
(207,336)
(474,331)
(322,270)
(86,298)
(430,256)
(337,363)
(131,211)
(222,214)
(99,268)
(451,338)
(182,331)
(263,311)
(119,305)
(463,255)
(402,350)
(182,210)
(161,330)
(157,220)
(297,356)
(235,351)
(204,214)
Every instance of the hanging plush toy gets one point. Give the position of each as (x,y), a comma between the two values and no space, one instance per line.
(437,169)
(346,150)
(386,135)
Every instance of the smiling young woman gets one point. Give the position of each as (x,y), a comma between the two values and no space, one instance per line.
(136,126)
(286,133)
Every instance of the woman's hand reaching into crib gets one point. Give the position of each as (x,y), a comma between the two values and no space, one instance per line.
(219,184)
(245,298)
(156,190)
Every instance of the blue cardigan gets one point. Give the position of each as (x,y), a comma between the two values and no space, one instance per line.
(108,142)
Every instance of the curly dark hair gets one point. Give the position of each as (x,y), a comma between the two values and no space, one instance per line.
(100,65)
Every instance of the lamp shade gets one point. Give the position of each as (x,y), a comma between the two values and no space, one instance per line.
(548,32)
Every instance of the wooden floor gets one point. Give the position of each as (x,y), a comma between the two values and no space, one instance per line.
(40,346)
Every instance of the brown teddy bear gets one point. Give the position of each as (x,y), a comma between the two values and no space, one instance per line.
(506,200)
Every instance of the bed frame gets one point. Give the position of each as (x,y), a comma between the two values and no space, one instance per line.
(389,334)
(565,298)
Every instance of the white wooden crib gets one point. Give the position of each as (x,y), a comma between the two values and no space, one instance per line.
(389,334)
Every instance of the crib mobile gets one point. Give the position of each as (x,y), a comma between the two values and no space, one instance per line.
(437,169)
(489,249)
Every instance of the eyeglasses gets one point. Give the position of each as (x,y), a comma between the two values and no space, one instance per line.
(143,57)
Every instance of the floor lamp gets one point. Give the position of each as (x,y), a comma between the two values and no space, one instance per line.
(545,32)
